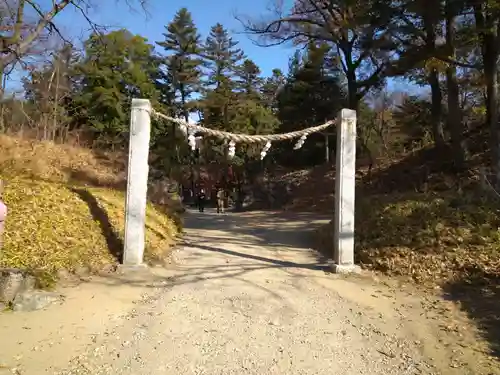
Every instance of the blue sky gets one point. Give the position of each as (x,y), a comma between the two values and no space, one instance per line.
(160,12)
(151,24)
(205,14)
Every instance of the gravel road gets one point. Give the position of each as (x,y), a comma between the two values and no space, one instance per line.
(248,297)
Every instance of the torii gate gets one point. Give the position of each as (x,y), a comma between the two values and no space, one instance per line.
(137,179)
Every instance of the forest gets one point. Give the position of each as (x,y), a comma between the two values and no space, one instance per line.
(346,54)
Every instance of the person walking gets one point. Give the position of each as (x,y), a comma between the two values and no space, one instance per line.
(202,197)
(220,201)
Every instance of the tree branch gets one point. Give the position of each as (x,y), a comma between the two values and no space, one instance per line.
(16,48)
(50,23)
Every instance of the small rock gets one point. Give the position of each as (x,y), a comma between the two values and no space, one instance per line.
(35,300)
(11,283)
(66,278)
(63,275)
(107,269)
(29,283)
(82,272)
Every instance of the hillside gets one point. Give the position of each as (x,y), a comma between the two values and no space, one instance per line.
(413,218)
(66,209)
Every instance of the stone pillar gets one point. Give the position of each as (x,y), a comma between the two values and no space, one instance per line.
(137,184)
(345,185)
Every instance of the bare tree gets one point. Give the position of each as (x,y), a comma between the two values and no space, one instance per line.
(48,88)
(349,26)
(382,122)
(19,37)
(29,34)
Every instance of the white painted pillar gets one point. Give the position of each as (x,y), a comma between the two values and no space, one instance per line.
(137,183)
(345,186)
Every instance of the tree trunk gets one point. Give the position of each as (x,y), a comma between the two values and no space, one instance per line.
(55,111)
(490,57)
(455,121)
(436,109)
(487,25)
(352,88)
(430,16)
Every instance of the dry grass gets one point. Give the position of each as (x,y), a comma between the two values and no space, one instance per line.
(415,218)
(66,209)
(60,163)
(433,238)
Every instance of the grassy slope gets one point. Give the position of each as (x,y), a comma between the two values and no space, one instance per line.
(413,220)
(434,238)
(66,209)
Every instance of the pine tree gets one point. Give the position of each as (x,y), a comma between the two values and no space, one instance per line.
(312,95)
(181,74)
(271,88)
(116,67)
(315,85)
(250,81)
(221,60)
(222,56)
(182,46)
(252,116)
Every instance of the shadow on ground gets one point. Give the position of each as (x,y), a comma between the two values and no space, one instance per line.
(289,233)
(272,263)
(114,243)
(479,298)
(269,228)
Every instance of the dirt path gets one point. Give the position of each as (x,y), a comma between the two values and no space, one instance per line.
(247,296)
